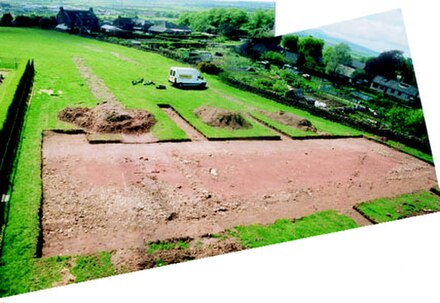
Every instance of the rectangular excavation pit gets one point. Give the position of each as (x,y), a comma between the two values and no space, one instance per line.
(105,197)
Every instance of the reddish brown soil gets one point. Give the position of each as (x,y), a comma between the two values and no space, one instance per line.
(218,117)
(118,196)
(109,117)
(292,120)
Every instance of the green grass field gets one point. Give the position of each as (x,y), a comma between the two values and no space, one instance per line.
(20,270)
(8,87)
(390,209)
(286,230)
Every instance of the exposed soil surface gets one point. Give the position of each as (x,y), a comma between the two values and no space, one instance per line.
(117,197)
(109,118)
(221,118)
(190,131)
(132,259)
(292,120)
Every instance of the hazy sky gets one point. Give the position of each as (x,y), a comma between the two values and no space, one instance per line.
(380,32)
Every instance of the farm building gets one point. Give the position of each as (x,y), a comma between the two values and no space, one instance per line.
(124,23)
(78,20)
(107,28)
(399,90)
(345,73)
(165,27)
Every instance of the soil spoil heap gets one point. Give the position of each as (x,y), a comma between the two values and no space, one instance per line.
(109,117)
(291,120)
(217,117)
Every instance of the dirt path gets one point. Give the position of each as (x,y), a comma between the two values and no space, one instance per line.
(124,58)
(97,86)
(192,133)
(114,196)
(282,136)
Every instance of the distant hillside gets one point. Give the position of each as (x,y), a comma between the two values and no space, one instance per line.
(356,48)
(171,4)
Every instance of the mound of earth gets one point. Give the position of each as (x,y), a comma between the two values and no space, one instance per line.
(221,118)
(109,118)
(291,120)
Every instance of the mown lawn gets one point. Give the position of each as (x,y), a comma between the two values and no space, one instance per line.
(390,209)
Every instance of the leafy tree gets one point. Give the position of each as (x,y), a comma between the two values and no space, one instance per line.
(310,52)
(359,74)
(48,22)
(407,121)
(334,56)
(27,21)
(260,23)
(6,19)
(391,64)
(312,47)
(290,42)
(387,64)
(225,22)
(330,61)
(407,72)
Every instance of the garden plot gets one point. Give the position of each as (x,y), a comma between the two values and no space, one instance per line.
(109,197)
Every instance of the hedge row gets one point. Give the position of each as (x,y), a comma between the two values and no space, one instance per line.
(13,114)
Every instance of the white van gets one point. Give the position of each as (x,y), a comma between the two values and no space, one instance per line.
(186,76)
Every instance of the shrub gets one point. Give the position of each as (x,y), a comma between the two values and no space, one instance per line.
(274,57)
(209,68)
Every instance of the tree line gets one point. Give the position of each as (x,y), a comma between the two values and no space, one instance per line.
(231,23)
(28,21)
(312,55)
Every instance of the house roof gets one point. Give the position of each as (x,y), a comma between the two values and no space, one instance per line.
(62,27)
(111,28)
(164,29)
(82,15)
(357,64)
(345,70)
(398,86)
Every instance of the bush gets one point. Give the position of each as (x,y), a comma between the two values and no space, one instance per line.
(209,68)
(290,42)
(274,57)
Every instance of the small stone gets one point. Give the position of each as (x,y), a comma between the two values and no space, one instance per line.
(213,172)
(221,209)
(172,216)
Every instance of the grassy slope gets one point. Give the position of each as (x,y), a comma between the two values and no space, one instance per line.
(55,70)
(389,209)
